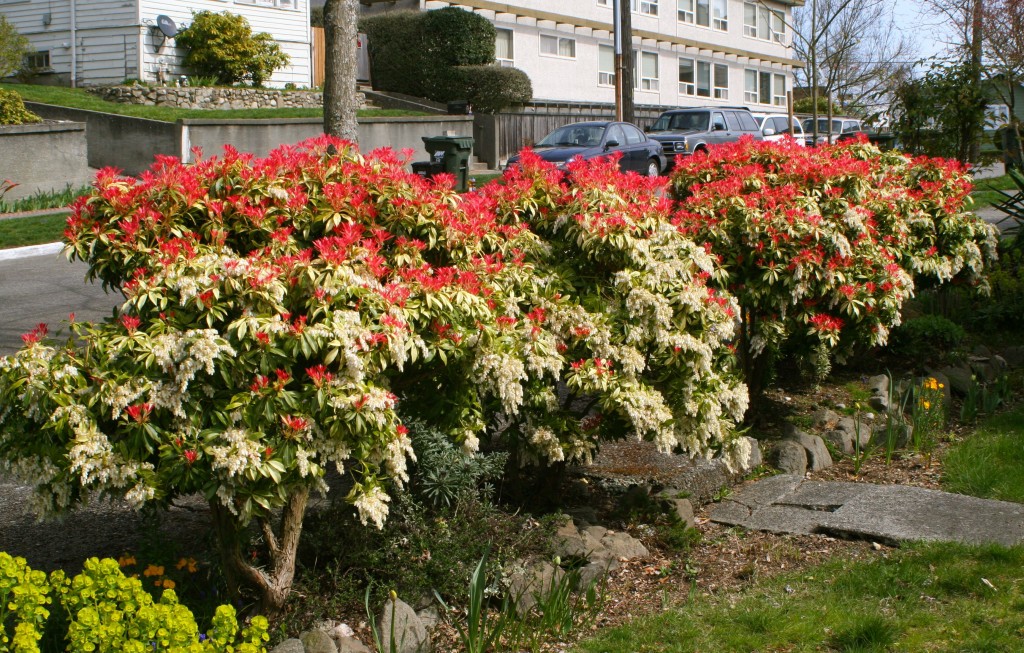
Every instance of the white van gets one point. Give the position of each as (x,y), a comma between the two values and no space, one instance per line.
(773,127)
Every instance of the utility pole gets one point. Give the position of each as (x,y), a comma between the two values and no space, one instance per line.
(624,107)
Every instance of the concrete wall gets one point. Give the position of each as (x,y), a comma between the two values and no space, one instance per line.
(43,157)
(123,142)
(130,144)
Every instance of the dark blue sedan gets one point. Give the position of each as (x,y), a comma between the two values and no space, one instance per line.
(589,140)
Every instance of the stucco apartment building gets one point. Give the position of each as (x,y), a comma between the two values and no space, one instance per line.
(687,52)
(93,42)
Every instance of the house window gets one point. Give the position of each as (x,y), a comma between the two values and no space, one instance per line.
(750,86)
(720,15)
(778,26)
(779,92)
(604,3)
(503,52)
(703,79)
(721,81)
(704,13)
(37,60)
(558,46)
(649,7)
(605,65)
(750,19)
(685,9)
(764,88)
(647,69)
(687,83)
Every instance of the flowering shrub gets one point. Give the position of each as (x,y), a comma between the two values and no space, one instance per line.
(24,596)
(822,246)
(277,309)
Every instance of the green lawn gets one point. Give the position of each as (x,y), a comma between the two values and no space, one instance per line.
(19,232)
(936,597)
(984,195)
(78,98)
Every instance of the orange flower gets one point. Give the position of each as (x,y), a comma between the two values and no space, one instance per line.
(188,563)
(154,570)
(125,561)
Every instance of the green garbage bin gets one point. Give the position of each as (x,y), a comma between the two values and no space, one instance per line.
(453,152)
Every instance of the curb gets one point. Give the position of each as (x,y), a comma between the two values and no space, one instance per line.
(30,251)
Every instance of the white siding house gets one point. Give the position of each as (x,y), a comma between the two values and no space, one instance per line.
(687,52)
(93,42)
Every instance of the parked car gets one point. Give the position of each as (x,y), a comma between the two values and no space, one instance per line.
(842,129)
(683,132)
(774,127)
(589,140)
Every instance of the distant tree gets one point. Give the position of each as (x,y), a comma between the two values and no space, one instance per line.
(806,105)
(13,48)
(1003,47)
(222,45)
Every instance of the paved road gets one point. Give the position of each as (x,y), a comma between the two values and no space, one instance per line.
(46,288)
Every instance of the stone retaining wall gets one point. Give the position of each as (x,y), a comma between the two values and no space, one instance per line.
(208,97)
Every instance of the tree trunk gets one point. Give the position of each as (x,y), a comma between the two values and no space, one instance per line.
(973,152)
(340,18)
(273,582)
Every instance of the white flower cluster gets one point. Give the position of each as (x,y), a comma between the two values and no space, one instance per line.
(397,452)
(182,356)
(372,505)
(233,451)
(545,442)
(502,376)
(93,459)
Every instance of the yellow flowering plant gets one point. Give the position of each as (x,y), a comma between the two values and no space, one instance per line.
(928,415)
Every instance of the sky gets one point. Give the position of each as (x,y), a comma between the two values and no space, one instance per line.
(926,29)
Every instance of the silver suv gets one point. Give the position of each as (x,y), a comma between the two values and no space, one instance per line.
(683,132)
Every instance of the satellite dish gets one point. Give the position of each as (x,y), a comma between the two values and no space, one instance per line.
(166,26)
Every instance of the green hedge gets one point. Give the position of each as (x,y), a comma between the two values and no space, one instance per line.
(441,55)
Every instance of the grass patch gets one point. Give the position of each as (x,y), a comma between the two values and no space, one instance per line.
(985,190)
(921,598)
(43,200)
(988,464)
(77,98)
(19,232)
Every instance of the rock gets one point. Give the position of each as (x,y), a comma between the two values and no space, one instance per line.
(569,542)
(959,379)
(789,457)
(825,418)
(681,507)
(398,621)
(351,645)
(983,368)
(318,641)
(623,546)
(533,580)
(290,645)
(818,456)
(755,459)
(879,403)
(879,385)
(845,435)
(841,439)
(429,616)
(901,433)
(1014,356)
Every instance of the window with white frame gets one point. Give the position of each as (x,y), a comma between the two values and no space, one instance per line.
(720,14)
(750,86)
(704,13)
(764,88)
(760,22)
(604,3)
(558,46)
(38,60)
(779,90)
(648,7)
(720,78)
(605,65)
(685,10)
(504,54)
(687,80)
(646,70)
(704,79)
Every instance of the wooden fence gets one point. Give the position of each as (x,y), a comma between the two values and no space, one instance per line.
(319,56)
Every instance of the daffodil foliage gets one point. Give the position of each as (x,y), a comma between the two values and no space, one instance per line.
(280,313)
(823,246)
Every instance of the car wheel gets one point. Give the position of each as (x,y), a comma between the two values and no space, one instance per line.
(653,168)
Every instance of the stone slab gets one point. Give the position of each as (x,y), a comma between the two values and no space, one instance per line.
(881,513)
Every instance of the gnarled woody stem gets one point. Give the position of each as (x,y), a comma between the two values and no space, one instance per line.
(273,583)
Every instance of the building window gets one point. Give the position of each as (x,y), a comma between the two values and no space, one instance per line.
(687,82)
(764,88)
(646,70)
(558,46)
(685,9)
(37,60)
(779,92)
(604,3)
(703,79)
(648,7)
(720,15)
(750,86)
(503,52)
(760,22)
(704,13)
(721,81)
(605,65)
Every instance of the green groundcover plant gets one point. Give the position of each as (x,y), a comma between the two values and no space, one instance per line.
(822,246)
(277,310)
(101,610)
